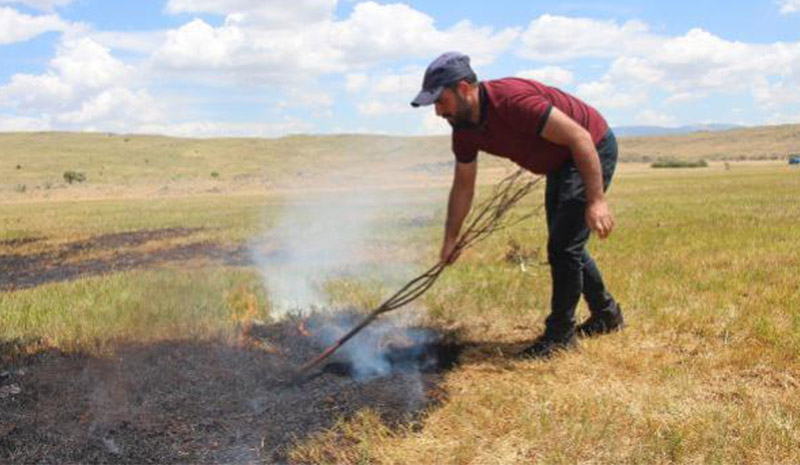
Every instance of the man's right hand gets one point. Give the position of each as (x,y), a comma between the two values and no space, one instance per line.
(458,206)
(447,256)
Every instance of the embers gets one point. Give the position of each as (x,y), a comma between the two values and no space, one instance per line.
(431,356)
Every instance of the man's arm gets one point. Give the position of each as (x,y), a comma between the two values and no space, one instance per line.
(562,130)
(458,206)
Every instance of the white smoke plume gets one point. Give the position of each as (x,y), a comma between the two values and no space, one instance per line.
(337,233)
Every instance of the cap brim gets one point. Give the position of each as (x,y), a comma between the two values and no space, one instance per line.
(426,97)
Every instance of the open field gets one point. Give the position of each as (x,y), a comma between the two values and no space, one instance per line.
(32,165)
(143,278)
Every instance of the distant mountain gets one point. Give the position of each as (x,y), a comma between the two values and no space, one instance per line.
(641,131)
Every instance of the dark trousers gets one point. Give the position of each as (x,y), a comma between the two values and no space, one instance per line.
(574,272)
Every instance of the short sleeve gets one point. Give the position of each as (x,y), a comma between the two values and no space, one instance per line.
(464,150)
(529,113)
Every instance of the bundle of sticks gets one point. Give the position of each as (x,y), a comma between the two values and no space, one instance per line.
(488,217)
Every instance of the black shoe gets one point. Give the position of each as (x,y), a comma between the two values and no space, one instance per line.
(545,347)
(596,325)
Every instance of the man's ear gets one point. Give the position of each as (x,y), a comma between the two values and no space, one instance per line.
(463,88)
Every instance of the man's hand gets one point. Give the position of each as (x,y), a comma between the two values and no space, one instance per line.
(458,206)
(446,255)
(599,218)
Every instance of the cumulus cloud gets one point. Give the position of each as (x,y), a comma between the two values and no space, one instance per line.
(605,94)
(789,6)
(282,53)
(84,86)
(226,129)
(42,5)
(550,75)
(388,92)
(279,12)
(19,27)
(654,118)
(22,123)
(141,42)
(354,82)
(433,125)
(559,38)
(685,67)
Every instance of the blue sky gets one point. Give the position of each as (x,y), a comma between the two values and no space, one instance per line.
(275,67)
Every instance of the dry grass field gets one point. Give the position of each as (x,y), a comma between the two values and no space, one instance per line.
(134,297)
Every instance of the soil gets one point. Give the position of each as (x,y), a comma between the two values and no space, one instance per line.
(64,263)
(206,401)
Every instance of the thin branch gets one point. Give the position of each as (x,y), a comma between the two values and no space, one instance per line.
(485,219)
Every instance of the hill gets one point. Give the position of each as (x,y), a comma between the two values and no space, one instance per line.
(640,131)
(34,163)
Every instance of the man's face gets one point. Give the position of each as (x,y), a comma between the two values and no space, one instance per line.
(453,107)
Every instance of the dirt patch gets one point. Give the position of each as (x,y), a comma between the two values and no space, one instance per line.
(18,242)
(200,402)
(64,263)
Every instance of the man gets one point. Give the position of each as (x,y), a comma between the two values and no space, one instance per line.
(546,131)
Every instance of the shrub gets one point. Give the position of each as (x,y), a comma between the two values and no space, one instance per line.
(74,176)
(679,164)
(214,175)
(21,188)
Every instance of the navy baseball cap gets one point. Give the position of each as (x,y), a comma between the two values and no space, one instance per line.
(447,69)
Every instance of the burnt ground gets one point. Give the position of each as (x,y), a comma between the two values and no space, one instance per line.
(202,402)
(65,262)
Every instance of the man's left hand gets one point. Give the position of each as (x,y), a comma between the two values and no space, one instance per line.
(599,218)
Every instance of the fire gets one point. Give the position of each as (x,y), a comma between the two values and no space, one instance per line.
(302,329)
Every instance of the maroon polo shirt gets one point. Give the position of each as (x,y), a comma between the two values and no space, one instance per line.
(513,114)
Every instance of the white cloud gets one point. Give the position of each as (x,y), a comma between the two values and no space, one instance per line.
(226,129)
(85,63)
(684,97)
(789,6)
(404,84)
(21,123)
(606,95)
(281,12)
(84,86)
(199,45)
(143,42)
(117,104)
(653,118)
(283,53)
(558,38)
(303,96)
(686,67)
(42,5)
(550,75)
(389,93)
(381,107)
(434,125)
(354,82)
(19,27)
(376,32)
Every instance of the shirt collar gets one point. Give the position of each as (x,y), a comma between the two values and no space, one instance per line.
(484,105)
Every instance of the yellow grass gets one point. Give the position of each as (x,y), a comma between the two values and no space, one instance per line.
(704,263)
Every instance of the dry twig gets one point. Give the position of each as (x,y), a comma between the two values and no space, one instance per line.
(485,219)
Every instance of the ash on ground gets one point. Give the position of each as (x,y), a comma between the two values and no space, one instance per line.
(215,401)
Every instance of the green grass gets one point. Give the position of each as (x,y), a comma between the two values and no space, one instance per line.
(704,263)
(92,314)
(671,163)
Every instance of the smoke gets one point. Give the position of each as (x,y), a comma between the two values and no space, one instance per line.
(387,346)
(362,235)
(318,238)
(359,235)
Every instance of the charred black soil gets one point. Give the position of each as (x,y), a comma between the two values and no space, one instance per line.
(206,402)
(64,262)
